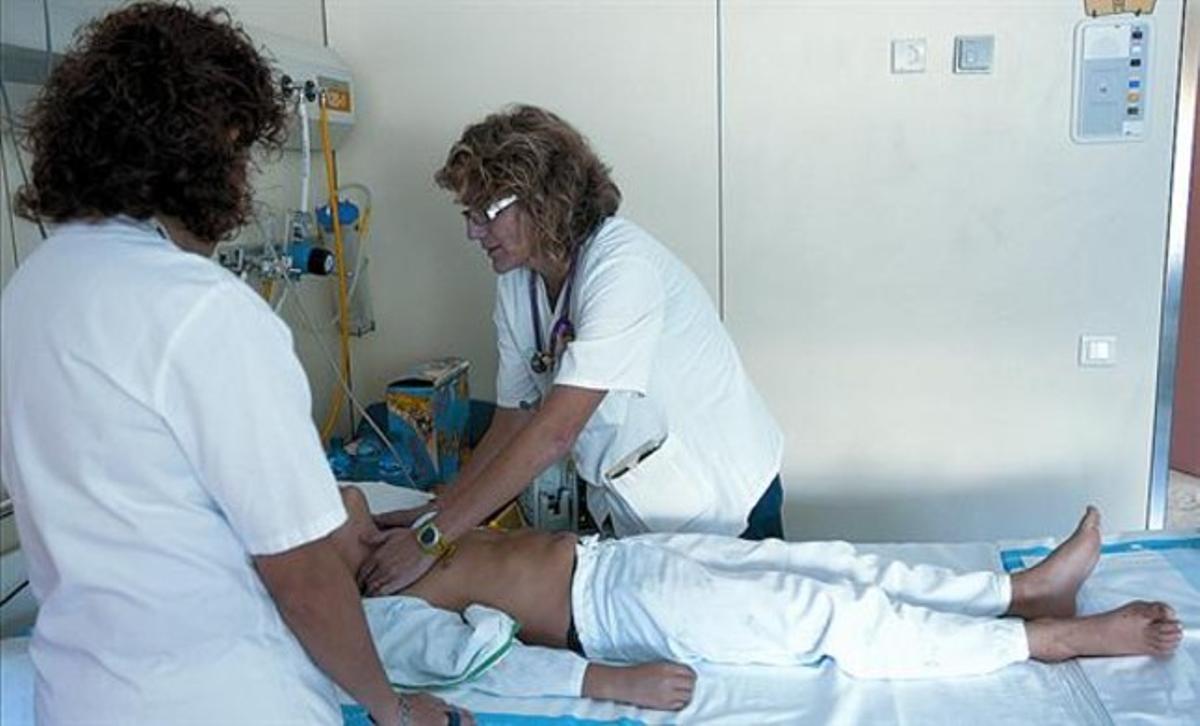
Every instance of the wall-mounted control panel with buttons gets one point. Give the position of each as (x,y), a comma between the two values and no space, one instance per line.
(1112,80)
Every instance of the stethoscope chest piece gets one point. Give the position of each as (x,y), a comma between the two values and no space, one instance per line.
(541,361)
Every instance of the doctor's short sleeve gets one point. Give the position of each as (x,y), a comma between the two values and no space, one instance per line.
(618,327)
(514,380)
(236,399)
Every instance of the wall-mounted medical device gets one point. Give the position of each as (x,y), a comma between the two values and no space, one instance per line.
(321,69)
(1112,79)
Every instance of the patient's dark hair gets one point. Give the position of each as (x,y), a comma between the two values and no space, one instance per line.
(153,111)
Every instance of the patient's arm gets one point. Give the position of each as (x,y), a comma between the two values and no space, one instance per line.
(665,686)
(530,672)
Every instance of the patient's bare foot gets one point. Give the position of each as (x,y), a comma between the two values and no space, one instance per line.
(1137,628)
(1048,589)
(664,686)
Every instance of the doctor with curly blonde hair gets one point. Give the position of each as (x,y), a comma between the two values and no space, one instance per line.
(610,351)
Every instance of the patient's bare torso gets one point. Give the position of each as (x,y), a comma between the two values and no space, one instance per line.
(526,574)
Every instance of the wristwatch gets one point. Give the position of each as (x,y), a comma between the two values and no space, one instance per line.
(429,537)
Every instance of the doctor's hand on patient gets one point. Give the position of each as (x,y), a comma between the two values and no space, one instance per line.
(396,561)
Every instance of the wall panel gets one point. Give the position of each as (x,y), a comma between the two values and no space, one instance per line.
(911,260)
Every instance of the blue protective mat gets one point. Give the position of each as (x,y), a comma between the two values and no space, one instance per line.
(357,716)
(1173,550)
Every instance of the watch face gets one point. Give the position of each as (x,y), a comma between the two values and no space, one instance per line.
(427,537)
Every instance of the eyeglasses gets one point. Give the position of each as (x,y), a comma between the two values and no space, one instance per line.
(477,220)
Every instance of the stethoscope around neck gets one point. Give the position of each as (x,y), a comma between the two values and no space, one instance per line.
(545,357)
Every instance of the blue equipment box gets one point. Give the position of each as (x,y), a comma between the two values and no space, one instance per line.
(429,420)
(427,413)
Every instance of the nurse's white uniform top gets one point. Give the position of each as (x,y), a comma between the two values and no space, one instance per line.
(646,332)
(156,433)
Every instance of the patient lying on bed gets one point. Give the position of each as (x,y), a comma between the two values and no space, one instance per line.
(660,600)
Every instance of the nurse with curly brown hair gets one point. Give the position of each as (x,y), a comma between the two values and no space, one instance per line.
(171,493)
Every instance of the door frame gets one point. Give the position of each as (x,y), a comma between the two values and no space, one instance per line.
(1181,174)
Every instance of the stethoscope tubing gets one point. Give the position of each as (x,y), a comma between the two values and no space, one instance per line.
(563,331)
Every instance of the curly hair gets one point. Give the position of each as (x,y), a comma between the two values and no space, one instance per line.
(153,111)
(532,153)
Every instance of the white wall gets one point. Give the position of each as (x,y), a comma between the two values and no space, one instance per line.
(912,259)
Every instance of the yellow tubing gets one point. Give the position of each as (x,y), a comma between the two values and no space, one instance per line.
(338,251)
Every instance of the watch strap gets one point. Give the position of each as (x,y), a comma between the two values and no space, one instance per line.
(440,548)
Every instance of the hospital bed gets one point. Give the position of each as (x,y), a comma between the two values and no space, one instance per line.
(1131,690)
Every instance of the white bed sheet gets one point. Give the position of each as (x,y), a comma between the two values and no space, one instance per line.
(1134,690)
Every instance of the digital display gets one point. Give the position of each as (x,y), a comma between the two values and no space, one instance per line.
(337,94)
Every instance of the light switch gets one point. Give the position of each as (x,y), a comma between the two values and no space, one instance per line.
(974,53)
(908,55)
(1097,350)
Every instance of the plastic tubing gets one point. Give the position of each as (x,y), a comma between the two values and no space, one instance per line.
(364,228)
(305,152)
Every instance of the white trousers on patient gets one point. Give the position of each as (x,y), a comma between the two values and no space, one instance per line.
(689,597)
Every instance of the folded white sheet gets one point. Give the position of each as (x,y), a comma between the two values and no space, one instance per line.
(423,647)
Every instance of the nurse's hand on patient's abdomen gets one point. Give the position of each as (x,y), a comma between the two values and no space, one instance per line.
(396,561)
